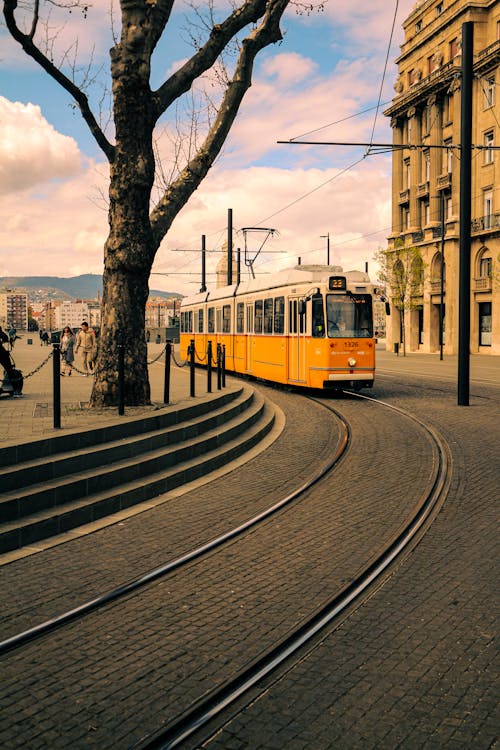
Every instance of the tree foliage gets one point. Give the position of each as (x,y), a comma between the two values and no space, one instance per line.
(137,222)
(401,272)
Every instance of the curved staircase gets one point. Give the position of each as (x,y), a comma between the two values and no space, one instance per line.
(52,485)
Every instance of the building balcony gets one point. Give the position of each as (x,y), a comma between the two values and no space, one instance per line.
(436,287)
(483,284)
(423,189)
(487,57)
(444,181)
(417,236)
(485,223)
(404,196)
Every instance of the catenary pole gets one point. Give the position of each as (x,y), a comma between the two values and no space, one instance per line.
(465,215)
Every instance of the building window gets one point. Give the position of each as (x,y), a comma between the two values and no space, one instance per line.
(418,27)
(447,108)
(488,208)
(485,268)
(489,92)
(447,157)
(411,77)
(439,9)
(454,48)
(485,324)
(426,171)
(489,142)
(407,172)
(431,64)
(449,207)
(425,213)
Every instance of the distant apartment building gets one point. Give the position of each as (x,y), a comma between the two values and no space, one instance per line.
(425,179)
(13,310)
(161,312)
(73,313)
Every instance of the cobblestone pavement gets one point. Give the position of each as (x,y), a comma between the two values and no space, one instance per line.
(415,666)
(410,668)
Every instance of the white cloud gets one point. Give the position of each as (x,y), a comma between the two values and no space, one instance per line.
(31,150)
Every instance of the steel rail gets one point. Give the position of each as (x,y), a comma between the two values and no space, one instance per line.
(203,711)
(86,608)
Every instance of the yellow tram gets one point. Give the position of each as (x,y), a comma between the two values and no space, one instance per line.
(309,326)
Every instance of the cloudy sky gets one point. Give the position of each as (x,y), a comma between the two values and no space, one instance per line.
(322,83)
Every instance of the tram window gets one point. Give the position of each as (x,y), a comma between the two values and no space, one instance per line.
(226,319)
(268,316)
(249,318)
(240,317)
(279,315)
(259,306)
(200,321)
(187,321)
(211,319)
(292,316)
(318,317)
(349,316)
(195,318)
(303,320)
(218,319)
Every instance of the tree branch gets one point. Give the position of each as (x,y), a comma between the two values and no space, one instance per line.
(221,34)
(26,42)
(192,175)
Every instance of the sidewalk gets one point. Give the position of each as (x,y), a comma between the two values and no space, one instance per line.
(31,417)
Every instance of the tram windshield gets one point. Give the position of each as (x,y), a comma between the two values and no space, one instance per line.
(349,316)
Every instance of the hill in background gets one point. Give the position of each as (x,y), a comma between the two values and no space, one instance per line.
(86,286)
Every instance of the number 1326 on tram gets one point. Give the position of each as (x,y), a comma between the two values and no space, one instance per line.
(310,326)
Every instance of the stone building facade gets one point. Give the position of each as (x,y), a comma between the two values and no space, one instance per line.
(425,112)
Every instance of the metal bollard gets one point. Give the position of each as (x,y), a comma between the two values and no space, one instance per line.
(121,376)
(223,365)
(166,384)
(191,369)
(209,367)
(56,373)
(219,367)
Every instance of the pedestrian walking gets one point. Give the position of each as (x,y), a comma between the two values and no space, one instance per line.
(12,337)
(86,341)
(67,351)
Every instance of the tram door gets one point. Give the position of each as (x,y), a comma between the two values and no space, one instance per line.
(249,338)
(296,340)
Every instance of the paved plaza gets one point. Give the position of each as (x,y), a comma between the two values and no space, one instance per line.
(413,667)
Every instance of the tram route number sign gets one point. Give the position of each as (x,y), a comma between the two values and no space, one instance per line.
(350,344)
(337,283)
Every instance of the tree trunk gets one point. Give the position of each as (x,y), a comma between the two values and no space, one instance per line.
(123,316)
(130,248)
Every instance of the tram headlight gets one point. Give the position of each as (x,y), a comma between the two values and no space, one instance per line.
(351,362)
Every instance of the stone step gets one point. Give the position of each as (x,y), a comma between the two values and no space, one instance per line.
(221,445)
(155,434)
(32,450)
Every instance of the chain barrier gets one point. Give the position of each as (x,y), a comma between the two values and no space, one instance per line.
(37,369)
(199,358)
(179,364)
(151,362)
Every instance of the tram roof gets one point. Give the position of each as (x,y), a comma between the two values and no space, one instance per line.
(303,274)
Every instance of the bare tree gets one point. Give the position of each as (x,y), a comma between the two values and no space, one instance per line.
(136,228)
(401,272)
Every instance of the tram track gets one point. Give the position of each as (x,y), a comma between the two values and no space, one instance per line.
(48,626)
(206,712)
(199,713)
